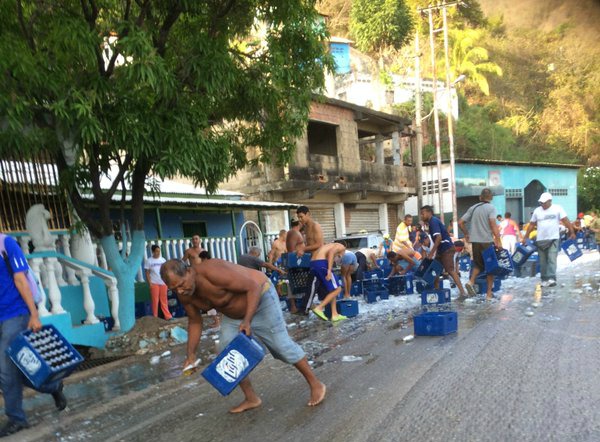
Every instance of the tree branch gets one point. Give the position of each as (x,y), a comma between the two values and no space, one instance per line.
(226,9)
(78,202)
(138,182)
(122,169)
(28,35)
(170,20)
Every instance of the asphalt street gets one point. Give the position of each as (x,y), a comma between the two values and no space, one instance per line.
(504,376)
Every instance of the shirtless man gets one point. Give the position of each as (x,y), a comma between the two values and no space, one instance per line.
(278,248)
(191,255)
(294,241)
(312,231)
(321,265)
(249,304)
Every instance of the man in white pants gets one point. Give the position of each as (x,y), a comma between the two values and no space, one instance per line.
(547,217)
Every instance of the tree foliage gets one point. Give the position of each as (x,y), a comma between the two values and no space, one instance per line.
(158,87)
(588,183)
(379,24)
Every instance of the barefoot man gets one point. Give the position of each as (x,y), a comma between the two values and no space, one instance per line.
(294,243)
(249,304)
(321,265)
(192,254)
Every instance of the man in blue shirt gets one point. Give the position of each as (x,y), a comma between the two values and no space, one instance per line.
(442,247)
(18,312)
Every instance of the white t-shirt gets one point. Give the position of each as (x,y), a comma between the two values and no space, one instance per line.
(153,265)
(548,221)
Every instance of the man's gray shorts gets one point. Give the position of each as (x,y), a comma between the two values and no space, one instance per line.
(268,326)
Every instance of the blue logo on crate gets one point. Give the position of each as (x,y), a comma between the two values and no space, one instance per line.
(571,249)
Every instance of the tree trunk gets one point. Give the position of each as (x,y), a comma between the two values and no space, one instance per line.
(125,271)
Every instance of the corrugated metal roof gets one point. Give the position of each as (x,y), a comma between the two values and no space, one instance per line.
(506,163)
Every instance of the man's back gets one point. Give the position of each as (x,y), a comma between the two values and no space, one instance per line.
(478,216)
(250,261)
(292,240)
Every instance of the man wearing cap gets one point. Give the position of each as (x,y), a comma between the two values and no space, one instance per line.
(547,218)
(385,246)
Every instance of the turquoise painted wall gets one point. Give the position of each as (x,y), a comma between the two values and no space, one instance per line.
(518,177)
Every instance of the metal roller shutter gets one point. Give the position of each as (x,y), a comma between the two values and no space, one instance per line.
(362,219)
(325,217)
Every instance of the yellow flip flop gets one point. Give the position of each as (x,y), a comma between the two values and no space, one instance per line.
(320,314)
(339,318)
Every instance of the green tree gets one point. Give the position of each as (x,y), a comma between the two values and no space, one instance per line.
(471,60)
(588,183)
(379,24)
(156,88)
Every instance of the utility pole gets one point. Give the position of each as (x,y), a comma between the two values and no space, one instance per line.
(419,128)
(450,129)
(436,117)
(443,7)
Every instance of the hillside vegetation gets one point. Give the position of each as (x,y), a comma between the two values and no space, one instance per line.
(533,75)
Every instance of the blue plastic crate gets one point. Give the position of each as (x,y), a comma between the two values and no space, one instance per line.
(372,295)
(527,269)
(421,286)
(356,289)
(436,323)
(481,285)
(143,309)
(383,262)
(497,262)
(464,263)
(435,296)
(428,270)
(409,283)
(522,253)
(44,356)
(346,307)
(292,261)
(571,248)
(234,363)
(373,274)
(396,285)
(300,280)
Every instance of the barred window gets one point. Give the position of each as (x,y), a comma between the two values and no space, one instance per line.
(559,192)
(513,193)
(430,187)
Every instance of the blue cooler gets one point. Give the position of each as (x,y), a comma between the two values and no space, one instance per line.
(571,248)
(346,307)
(45,356)
(435,296)
(435,323)
(522,253)
(428,270)
(234,363)
(497,262)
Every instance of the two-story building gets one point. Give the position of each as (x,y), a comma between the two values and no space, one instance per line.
(350,168)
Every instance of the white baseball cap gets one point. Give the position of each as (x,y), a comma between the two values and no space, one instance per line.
(544,197)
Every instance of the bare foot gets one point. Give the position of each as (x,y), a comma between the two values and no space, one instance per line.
(317,395)
(245,406)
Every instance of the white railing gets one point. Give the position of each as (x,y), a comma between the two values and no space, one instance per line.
(55,269)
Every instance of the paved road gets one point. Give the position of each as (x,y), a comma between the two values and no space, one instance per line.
(503,377)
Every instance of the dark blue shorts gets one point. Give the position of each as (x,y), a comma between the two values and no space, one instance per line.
(319,268)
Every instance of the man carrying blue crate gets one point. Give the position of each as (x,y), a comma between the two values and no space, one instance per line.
(18,313)
(442,248)
(483,233)
(249,304)
(548,218)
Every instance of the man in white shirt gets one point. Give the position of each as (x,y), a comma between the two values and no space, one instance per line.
(547,218)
